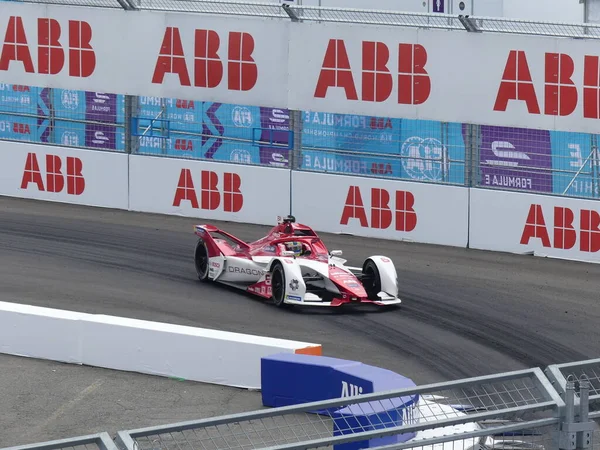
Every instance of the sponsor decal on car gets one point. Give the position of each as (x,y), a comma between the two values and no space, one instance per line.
(246,271)
(294,297)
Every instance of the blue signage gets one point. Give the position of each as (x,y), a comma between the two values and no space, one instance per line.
(291,379)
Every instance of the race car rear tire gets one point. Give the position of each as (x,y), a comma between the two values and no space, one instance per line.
(372,279)
(278,285)
(201,260)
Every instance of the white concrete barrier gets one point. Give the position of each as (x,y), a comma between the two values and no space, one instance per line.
(196,354)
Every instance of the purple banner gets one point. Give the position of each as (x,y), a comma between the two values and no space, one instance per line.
(438,6)
(275,124)
(101,107)
(516,158)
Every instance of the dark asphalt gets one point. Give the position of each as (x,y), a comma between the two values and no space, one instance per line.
(465,312)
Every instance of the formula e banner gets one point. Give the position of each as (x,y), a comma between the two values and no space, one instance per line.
(88,119)
(207,130)
(401,148)
(24,113)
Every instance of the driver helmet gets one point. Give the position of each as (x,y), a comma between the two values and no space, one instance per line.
(295,247)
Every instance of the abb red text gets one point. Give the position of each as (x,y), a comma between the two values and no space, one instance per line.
(55,176)
(561,94)
(414,85)
(382,215)
(565,234)
(208,71)
(210,196)
(51,55)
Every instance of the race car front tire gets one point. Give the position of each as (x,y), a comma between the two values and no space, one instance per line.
(201,260)
(278,285)
(372,280)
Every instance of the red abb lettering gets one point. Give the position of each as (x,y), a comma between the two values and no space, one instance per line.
(184,145)
(242,71)
(233,199)
(565,233)
(51,53)
(185,104)
(590,231)
(382,215)
(55,179)
(414,84)
(561,95)
(21,128)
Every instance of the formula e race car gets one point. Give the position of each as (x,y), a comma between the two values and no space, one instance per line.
(292,266)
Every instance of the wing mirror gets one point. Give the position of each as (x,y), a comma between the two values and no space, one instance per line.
(336,253)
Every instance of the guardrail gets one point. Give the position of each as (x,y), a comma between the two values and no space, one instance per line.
(347,15)
(100,441)
(534,409)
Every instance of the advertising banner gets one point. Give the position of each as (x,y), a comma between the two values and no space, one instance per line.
(576,163)
(379,208)
(24,113)
(207,189)
(527,81)
(536,82)
(74,110)
(215,59)
(545,225)
(106,109)
(401,148)
(66,175)
(207,130)
(515,158)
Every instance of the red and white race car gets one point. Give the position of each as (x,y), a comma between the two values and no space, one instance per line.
(292,266)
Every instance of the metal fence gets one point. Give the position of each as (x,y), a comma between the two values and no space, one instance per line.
(100,441)
(275,9)
(555,409)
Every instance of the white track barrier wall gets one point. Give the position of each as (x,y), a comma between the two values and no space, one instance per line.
(61,174)
(543,225)
(213,191)
(118,343)
(396,210)
(386,209)
(411,65)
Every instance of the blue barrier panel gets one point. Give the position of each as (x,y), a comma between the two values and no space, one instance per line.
(290,379)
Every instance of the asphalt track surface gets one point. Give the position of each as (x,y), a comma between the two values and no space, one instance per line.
(465,313)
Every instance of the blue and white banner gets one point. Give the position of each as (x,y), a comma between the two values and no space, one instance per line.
(417,150)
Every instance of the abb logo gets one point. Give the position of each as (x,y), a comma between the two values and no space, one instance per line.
(210,196)
(56,179)
(51,53)
(565,233)
(184,145)
(21,128)
(382,216)
(381,168)
(561,95)
(185,104)
(414,85)
(242,72)
(381,123)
